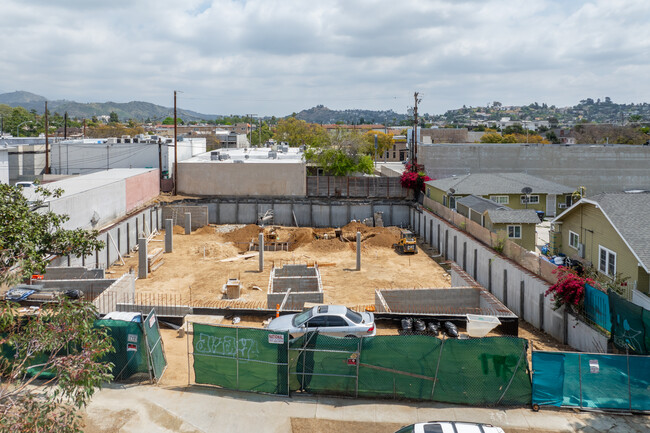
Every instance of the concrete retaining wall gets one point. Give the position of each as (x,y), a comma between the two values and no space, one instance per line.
(308,213)
(177,214)
(122,236)
(72,273)
(120,291)
(520,290)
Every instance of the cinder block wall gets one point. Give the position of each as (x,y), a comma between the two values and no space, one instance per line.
(72,273)
(407,299)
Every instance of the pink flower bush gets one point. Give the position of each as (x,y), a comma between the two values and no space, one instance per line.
(569,289)
(413,180)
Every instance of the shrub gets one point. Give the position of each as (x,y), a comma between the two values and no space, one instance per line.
(569,289)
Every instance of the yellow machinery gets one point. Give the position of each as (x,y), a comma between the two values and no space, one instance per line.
(407,243)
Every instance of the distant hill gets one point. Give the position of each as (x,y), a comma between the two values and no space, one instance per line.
(130,110)
(323,115)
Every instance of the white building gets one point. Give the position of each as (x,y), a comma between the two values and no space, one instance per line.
(143,151)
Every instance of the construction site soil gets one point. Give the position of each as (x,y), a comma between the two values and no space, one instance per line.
(201,263)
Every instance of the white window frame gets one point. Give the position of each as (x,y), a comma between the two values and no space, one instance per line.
(514,226)
(530,199)
(573,236)
(501,199)
(609,254)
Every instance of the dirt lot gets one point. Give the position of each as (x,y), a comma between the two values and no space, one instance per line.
(195,271)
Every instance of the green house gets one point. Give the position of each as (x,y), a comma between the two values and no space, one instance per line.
(610,232)
(517,225)
(505,189)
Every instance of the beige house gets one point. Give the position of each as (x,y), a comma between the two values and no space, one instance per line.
(505,189)
(610,232)
(517,225)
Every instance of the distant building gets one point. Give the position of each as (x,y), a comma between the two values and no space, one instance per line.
(399,151)
(71,157)
(232,139)
(444,135)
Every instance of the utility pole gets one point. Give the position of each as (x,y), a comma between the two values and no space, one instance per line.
(259,129)
(414,142)
(175,148)
(65,126)
(47,143)
(250,124)
(84,133)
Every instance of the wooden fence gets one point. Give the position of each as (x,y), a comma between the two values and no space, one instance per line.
(356,187)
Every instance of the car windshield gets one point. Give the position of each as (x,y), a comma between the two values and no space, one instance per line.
(301,318)
(354,316)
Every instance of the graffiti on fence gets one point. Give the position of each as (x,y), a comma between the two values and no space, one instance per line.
(504,366)
(245,348)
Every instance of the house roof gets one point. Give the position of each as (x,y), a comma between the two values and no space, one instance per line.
(479,204)
(498,183)
(629,214)
(513,216)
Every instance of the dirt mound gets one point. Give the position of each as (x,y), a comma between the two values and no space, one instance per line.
(355,226)
(244,234)
(205,230)
(178,230)
(384,239)
(299,237)
(326,246)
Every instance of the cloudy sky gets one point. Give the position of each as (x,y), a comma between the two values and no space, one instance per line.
(273,57)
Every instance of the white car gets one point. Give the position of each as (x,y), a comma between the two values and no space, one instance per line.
(449,427)
(336,320)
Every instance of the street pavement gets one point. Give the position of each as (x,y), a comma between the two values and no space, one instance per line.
(196,409)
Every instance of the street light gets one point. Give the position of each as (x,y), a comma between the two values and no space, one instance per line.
(21,124)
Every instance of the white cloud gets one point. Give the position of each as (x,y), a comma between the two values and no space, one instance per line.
(275,57)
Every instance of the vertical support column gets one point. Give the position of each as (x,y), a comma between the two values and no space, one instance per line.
(522,294)
(505,287)
(188,223)
(541,311)
(108,250)
(358,251)
(143,269)
(137,229)
(446,244)
(119,240)
(438,241)
(261,257)
(464,255)
(128,238)
(455,248)
(311,213)
(390,215)
(431,233)
(565,326)
(474,270)
(169,235)
(489,285)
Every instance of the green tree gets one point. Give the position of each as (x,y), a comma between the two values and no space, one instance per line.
(261,135)
(170,121)
(384,142)
(298,132)
(491,137)
(29,234)
(112,117)
(58,343)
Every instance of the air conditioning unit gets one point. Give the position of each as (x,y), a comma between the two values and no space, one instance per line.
(562,205)
(581,250)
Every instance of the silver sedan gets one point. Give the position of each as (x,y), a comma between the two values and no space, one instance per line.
(336,320)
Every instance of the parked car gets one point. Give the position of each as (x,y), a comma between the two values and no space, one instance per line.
(336,320)
(449,427)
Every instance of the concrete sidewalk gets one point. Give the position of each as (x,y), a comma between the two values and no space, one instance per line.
(202,409)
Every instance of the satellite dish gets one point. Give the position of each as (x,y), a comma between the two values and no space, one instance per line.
(451,190)
(526,190)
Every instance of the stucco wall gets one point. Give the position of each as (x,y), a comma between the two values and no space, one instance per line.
(245,180)
(618,167)
(141,188)
(593,230)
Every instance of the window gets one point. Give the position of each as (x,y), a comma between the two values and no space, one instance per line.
(574,239)
(336,321)
(567,200)
(353,316)
(317,322)
(501,199)
(514,232)
(607,261)
(533,199)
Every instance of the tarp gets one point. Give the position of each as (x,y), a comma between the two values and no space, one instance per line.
(602,381)
(630,325)
(238,358)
